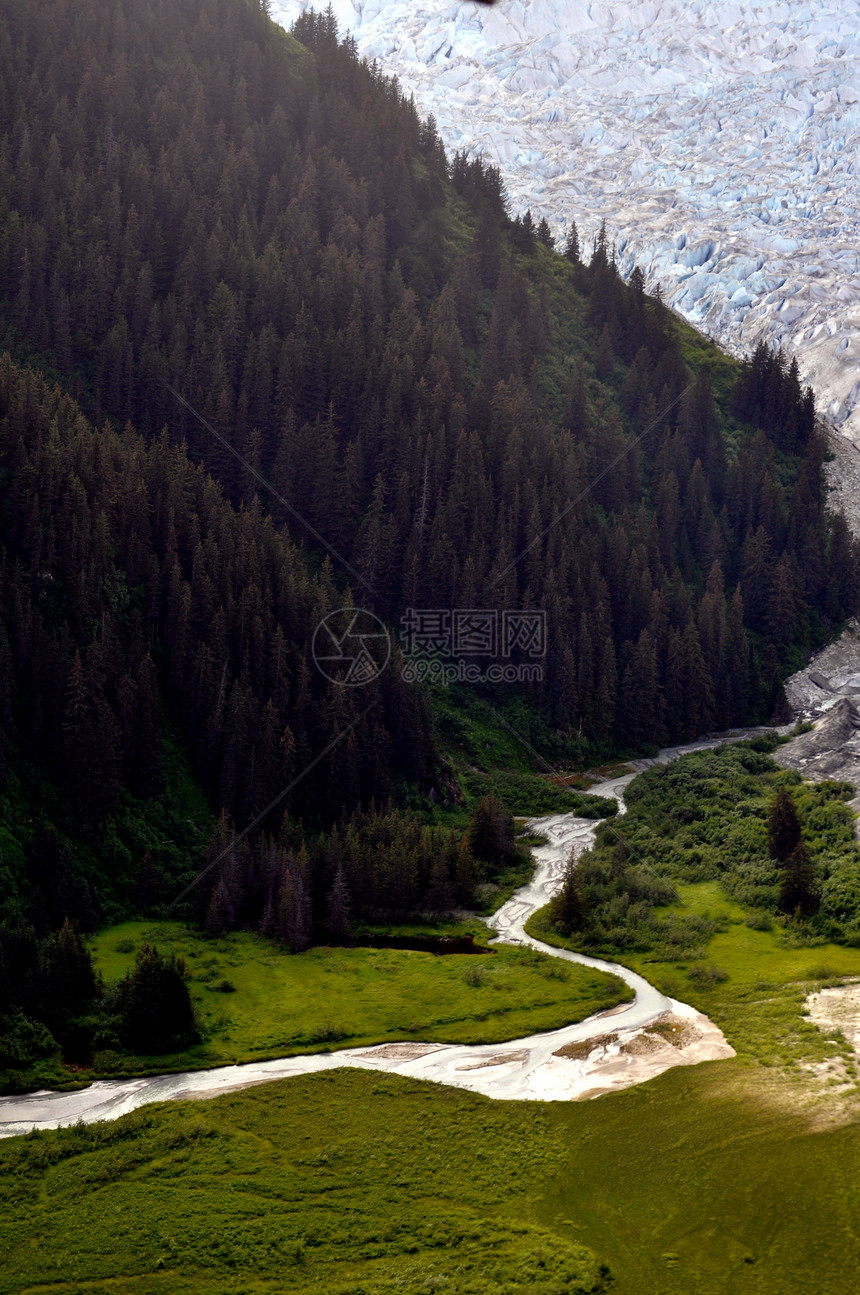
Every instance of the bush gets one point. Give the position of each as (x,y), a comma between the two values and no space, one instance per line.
(705,977)
(154,1006)
(22,1041)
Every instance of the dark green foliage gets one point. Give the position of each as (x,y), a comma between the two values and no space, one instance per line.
(195,203)
(719,815)
(491,834)
(769,395)
(337,911)
(571,244)
(544,234)
(268,228)
(92,671)
(798,892)
(154,1006)
(67,981)
(568,909)
(22,1041)
(381,866)
(783,826)
(50,999)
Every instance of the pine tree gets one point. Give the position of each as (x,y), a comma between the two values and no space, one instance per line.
(337,908)
(293,921)
(570,906)
(798,892)
(154,1004)
(67,978)
(544,234)
(491,831)
(571,245)
(783,826)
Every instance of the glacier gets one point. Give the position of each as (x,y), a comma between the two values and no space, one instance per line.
(719,142)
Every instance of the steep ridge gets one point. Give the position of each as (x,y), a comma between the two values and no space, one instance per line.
(718,141)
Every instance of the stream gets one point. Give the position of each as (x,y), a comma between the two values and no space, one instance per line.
(519,1070)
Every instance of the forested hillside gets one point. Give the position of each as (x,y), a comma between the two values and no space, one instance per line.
(450,413)
(195,201)
(118,555)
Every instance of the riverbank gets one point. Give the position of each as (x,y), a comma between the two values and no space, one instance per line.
(534,1067)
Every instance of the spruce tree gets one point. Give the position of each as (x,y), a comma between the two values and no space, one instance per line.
(154,1004)
(571,245)
(783,826)
(491,831)
(337,911)
(568,909)
(798,893)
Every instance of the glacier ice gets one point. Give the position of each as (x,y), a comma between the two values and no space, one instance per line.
(718,140)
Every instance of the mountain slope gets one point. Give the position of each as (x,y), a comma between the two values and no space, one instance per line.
(272,236)
(717,140)
(298,360)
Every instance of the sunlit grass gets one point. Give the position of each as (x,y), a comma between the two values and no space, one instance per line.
(706,1181)
(752,983)
(255,1000)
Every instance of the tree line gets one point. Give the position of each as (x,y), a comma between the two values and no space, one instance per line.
(138,610)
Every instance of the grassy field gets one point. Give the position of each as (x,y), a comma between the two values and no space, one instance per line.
(729,1178)
(255,1001)
(706,1181)
(752,983)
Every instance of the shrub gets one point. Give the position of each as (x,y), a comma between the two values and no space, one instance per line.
(154,1006)
(705,977)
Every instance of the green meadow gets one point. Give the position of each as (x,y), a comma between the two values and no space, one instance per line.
(750,982)
(739,1177)
(708,1180)
(255,1001)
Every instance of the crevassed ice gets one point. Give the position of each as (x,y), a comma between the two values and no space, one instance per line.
(720,141)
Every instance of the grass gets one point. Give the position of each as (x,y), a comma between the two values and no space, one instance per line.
(759,1006)
(493,748)
(751,983)
(282,1004)
(349,1183)
(712,1181)
(358,1183)
(728,1178)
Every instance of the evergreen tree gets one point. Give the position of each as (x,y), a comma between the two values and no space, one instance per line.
(571,245)
(491,831)
(67,979)
(154,1004)
(798,892)
(337,909)
(783,826)
(569,907)
(294,918)
(544,234)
